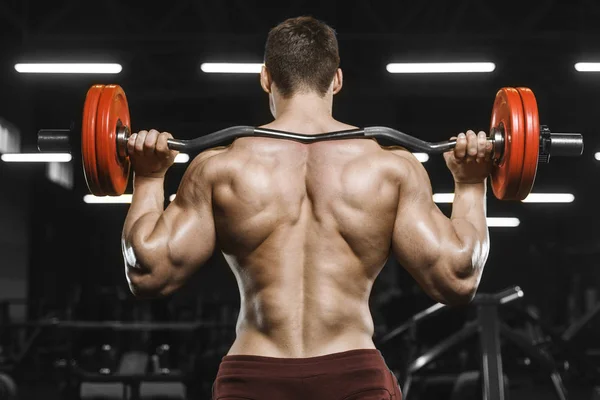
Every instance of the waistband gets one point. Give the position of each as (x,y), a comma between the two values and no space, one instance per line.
(335,362)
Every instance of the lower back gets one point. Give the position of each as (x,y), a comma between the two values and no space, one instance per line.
(312,318)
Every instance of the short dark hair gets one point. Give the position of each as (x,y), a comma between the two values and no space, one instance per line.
(302,53)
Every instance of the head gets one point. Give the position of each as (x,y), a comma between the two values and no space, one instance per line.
(301,57)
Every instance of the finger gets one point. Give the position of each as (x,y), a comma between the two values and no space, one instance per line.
(471,145)
(139,142)
(161,144)
(150,142)
(489,150)
(174,153)
(461,146)
(450,152)
(131,143)
(481,146)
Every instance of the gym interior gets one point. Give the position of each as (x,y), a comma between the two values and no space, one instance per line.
(70,328)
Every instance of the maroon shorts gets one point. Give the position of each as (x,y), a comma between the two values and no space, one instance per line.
(350,375)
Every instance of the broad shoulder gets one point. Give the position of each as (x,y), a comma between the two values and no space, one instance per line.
(207,164)
(412,173)
(401,158)
(199,177)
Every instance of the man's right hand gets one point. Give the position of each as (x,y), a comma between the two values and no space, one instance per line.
(470,160)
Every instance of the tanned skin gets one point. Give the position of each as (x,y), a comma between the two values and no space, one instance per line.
(306,228)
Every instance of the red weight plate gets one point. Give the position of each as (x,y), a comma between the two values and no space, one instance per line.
(113,170)
(506,174)
(532,142)
(88,140)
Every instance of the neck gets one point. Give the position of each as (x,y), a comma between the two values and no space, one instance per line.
(306,108)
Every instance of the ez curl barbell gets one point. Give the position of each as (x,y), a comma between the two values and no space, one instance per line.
(519,142)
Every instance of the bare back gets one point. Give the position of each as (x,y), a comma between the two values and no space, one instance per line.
(306,228)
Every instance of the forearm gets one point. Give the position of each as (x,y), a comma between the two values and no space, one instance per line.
(470,225)
(146,208)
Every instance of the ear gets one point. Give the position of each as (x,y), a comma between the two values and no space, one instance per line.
(338,81)
(265,79)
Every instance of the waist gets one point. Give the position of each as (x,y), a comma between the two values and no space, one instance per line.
(300,342)
(297,367)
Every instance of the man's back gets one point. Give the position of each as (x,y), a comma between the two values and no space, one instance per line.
(306,228)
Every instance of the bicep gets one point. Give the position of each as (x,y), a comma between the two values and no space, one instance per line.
(184,238)
(191,239)
(424,240)
(421,231)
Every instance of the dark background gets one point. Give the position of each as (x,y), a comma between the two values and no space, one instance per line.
(57,250)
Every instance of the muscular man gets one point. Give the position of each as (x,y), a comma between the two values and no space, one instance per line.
(306,228)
